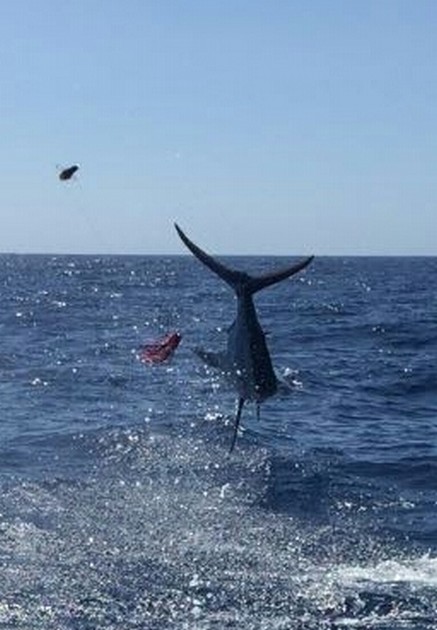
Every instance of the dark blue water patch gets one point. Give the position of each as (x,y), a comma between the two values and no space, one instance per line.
(416,472)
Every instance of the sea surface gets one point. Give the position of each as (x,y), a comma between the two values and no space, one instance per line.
(120,506)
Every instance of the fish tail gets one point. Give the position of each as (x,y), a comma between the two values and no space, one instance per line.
(230,276)
(238,280)
(266,280)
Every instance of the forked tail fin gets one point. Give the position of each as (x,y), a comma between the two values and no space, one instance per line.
(238,279)
(267,279)
(230,276)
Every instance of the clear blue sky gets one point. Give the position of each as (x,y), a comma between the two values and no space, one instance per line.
(270,127)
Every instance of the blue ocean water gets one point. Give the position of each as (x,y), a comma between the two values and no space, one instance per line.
(120,507)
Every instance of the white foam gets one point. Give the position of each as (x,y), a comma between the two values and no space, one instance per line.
(419,571)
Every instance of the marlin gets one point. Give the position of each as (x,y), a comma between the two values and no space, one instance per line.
(246,360)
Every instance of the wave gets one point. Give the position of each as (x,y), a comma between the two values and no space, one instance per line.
(166,530)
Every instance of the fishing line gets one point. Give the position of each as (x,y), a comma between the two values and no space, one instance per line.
(80,208)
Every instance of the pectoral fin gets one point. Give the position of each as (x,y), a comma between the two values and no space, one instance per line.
(213,359)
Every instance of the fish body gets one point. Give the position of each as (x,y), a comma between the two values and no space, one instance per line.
(247,360)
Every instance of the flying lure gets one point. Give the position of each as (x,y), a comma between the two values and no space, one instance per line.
(159,351)
(68,173)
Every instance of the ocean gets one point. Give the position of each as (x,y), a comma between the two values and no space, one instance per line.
(120,505)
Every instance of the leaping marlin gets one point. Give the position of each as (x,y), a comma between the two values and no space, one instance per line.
(246,360)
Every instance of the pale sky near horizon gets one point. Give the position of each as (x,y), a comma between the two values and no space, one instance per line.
(281,127)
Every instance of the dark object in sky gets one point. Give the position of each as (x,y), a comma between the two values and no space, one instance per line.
(68,173)
(246,360)
(161,350)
